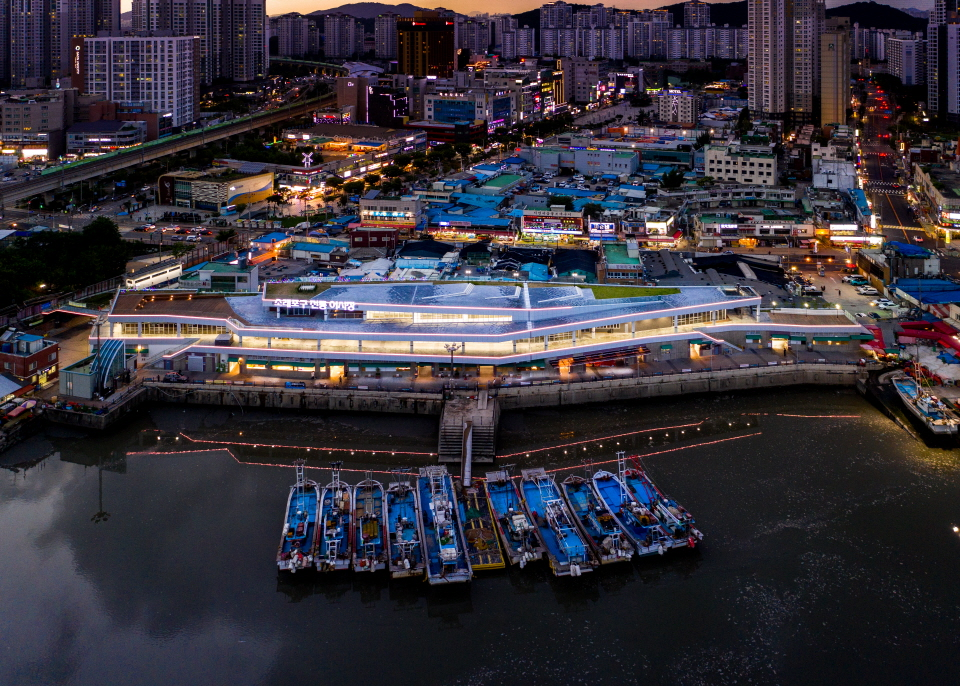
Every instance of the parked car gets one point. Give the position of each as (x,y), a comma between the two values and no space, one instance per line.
(174,377)
(854,278)
(887,306)
(868,291)
(881,301)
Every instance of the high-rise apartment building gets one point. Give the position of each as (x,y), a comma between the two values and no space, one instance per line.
(293,34)
(35,36)
(426,44)
(784,64)
(385,35)
(556,15)
(942,55)
(835,71)
(696,15)
(907,60)
(158,72)
(232,33)
(340,35)
(473,35)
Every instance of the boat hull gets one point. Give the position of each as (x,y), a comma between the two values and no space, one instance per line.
(441,536)
(293,553)
(596,523)
(640,525)
(334,548)
(480,530)
(566,551)
(369,527)
(402,509)
(520,546)
(938,427)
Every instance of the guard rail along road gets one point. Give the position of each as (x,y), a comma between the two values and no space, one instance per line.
(60,177)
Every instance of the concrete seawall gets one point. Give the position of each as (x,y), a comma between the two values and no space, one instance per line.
(679,384)
(510,398)
(298,398)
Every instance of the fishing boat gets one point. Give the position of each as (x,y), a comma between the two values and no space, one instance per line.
(402,511)
(521,540)
(369,527)
(598,525)
(567,551)
(333,551)
(298,542)
(444,547)
(929,409)
(638,522)
(678,523)
(479,529)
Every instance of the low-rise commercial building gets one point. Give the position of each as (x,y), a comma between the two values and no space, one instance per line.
(940,188)
(750,164)
(33,122)
(239,276)
(100,137)
(404,214)
(763,228)
(214,190)
(585,161)
(28,358)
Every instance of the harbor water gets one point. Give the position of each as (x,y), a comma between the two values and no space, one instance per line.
(146,555)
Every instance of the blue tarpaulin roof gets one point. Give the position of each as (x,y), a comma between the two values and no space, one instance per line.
(514,160)
(908,250)
(538,272)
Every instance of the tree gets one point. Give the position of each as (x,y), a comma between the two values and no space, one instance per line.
(241,207)
(102,231)
(372,179)
(334,181)
(706,181)
(402,160)
(392,172)
(702,140)
(592,209)
(225,235)
(392,186)
(354,187)
(744,124)
(180,249)
(564,200)
(672,179)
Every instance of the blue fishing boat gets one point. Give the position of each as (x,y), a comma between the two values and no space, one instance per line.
(678,523)
(369,527)
(568,553)
(333,551)
(443,542)
(521,540)
(929,409)
(402,511)
(598,525)
(298,542)
(637,521)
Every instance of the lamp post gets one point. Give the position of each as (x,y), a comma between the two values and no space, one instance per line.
(452,348)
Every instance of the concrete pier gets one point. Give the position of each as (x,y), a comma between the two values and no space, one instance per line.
(478,410)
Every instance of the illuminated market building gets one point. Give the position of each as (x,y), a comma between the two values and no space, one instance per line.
(333,328)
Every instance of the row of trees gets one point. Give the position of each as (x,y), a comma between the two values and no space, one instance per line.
(51,262)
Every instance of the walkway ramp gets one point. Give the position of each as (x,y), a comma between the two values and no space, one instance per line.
(481,413)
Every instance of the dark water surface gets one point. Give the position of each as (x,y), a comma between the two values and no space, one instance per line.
(829,556)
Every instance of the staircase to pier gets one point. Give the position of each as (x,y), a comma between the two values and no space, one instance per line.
(475,416)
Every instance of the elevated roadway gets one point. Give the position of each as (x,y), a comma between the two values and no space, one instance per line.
(65,175)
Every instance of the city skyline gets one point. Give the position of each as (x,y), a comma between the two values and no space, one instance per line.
(276,7)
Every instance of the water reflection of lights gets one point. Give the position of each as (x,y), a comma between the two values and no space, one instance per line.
(391,471)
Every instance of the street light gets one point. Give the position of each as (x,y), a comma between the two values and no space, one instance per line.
(452,348)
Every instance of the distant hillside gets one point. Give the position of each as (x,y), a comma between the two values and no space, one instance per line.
(369,10)
(733,13)
(877,16)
